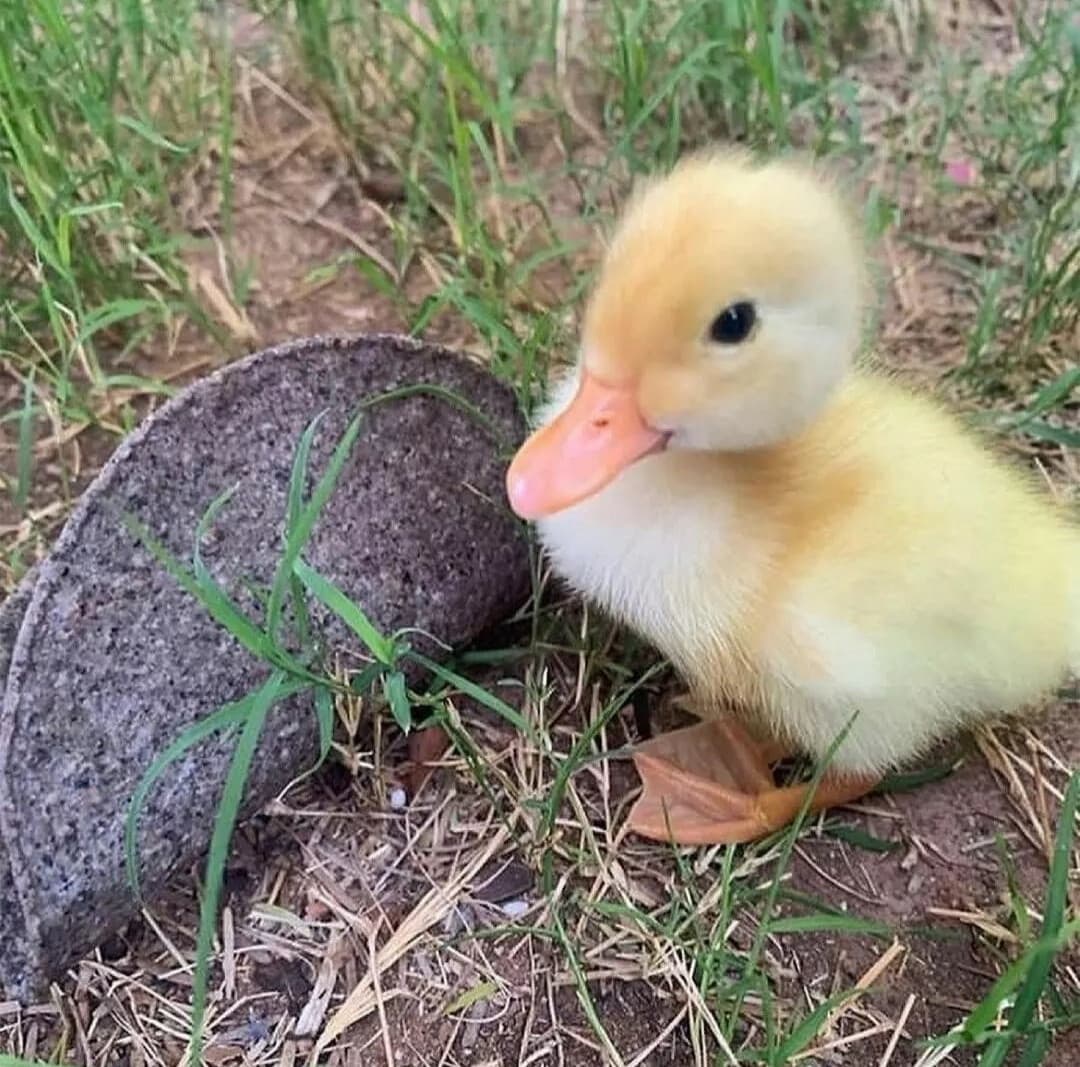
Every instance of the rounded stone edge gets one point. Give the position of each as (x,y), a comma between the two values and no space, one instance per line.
(17,964)
(104,478)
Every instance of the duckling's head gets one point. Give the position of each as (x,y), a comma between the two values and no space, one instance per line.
(727,309)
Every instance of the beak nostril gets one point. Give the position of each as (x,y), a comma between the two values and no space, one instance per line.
(601,423)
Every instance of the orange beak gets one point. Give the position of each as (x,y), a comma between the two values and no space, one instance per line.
(600,434)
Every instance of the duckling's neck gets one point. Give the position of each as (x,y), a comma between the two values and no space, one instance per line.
(647,546)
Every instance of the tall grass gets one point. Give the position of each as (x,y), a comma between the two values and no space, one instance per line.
(102,109)
(1021,132)
(454,100)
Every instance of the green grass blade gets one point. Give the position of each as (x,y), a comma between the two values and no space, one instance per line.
(1038,972)
(853,835)
(982,1016)
(397,696)
(41,244)
(137,381)
(153,137)
(300,610)
(577,756)
(812,924)
(788,843)
(222,719)
(364,679)
(301,520)
(294,508)
(217,505)
(442,393)
(477,693)
(908,781)
(25,447)
(1045,431)
(224,822)
(581,984)
(216,601)
(1035,1049)
(184,578)
(324,716)
(1053,395)
(324,709)
(110,314)
(808,1028)
(353,617)
(220,608)
(324,489)
(980,1023)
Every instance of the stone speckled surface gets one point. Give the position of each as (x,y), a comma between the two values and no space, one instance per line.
(113,660)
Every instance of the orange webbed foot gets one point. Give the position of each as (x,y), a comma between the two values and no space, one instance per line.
(712,784)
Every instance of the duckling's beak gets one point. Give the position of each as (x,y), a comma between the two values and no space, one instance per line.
(599,435)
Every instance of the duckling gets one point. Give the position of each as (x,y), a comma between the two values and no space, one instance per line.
(813,546)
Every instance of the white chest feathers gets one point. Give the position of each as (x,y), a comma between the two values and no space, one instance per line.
(640,548)
(648,554)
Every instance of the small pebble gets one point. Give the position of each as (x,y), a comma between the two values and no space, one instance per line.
(398,798)
(514,909)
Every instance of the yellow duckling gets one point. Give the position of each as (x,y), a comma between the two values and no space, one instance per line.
(805,541)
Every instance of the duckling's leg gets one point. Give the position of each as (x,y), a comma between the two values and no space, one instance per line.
(711,784)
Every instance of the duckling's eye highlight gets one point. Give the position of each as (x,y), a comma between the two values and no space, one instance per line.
(733,324)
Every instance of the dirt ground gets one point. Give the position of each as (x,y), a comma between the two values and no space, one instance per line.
(333,870)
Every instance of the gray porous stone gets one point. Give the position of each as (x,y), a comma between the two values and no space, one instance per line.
(13,944)
(112,659)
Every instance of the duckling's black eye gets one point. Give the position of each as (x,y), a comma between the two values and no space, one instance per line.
(733,324)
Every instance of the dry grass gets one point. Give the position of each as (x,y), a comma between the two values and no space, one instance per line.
(352,927)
